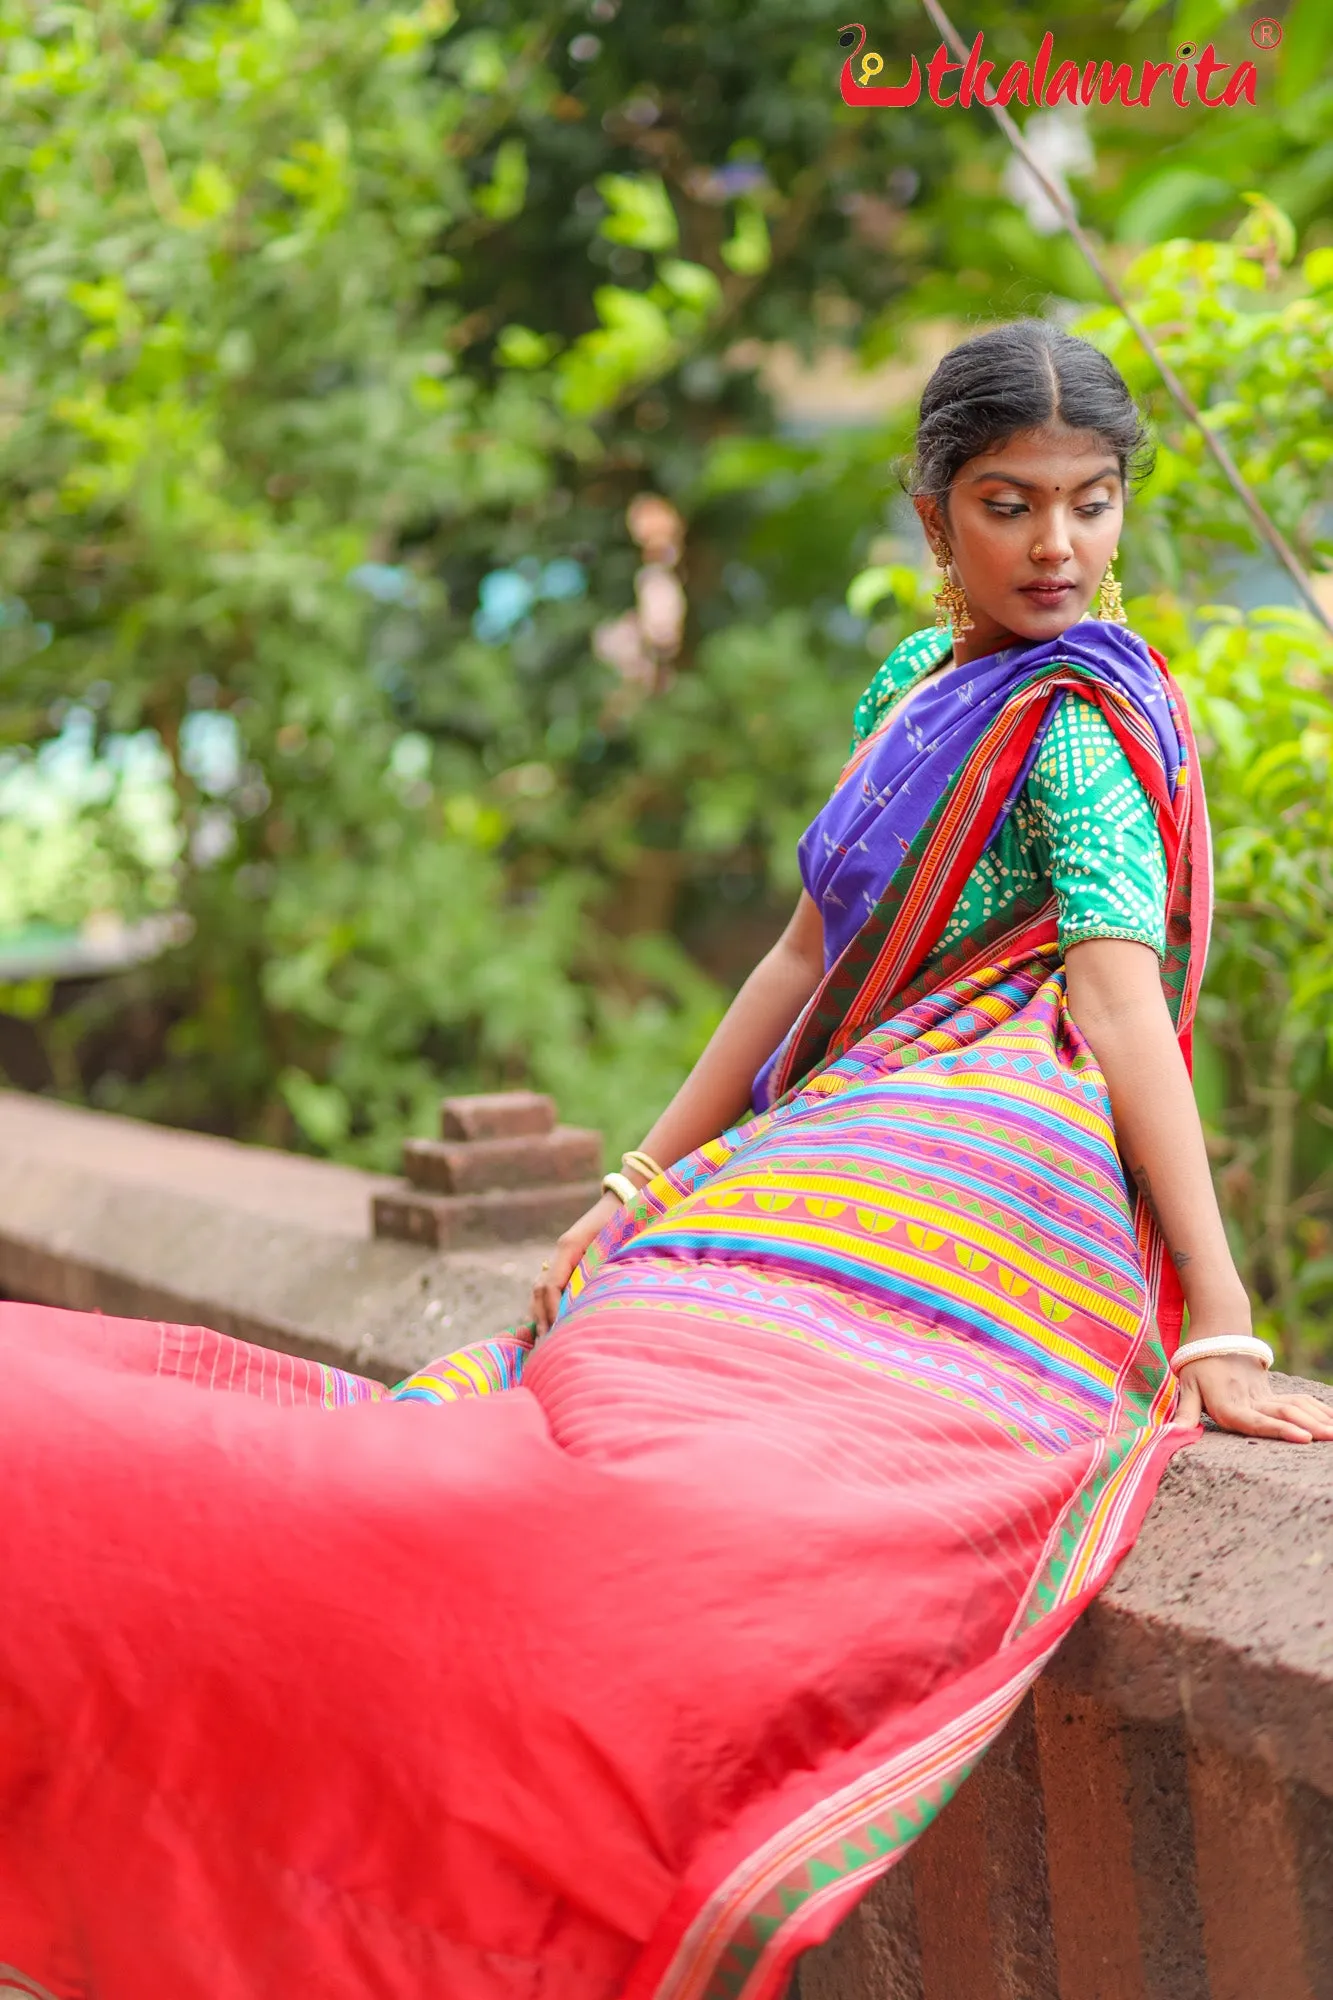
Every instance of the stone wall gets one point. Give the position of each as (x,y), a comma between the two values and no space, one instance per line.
(1157,1824)
(110,1214)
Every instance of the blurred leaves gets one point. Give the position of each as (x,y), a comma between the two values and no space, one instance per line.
(1254,346)
(640,212)
(1261,693)
(1254,343)
(502,198)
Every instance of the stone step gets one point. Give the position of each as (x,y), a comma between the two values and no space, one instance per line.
(468,1221)
(497,1114)
(479,1166)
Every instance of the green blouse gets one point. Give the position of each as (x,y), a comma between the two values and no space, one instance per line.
(1083,824)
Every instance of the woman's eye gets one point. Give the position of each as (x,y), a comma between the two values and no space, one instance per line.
(1093,509)
(1009,510)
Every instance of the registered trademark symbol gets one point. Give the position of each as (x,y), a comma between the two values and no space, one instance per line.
(1266,32)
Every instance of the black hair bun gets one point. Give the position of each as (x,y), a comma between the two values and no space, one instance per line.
(1017,378)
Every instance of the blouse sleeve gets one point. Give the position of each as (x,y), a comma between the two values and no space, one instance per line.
(913,657)
(872,704)
(1105,855)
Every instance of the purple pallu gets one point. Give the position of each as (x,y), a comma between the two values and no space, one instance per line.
(858,840)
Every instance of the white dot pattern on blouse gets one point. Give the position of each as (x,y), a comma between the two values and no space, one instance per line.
(1082,827)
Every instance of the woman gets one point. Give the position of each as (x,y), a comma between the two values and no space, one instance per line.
(630,1680)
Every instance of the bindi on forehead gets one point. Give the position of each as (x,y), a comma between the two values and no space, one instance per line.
(1037,478)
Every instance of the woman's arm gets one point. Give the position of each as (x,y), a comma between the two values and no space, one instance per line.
(717,1090)
(1116,1001)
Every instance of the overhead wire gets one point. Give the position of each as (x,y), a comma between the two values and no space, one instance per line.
(1060,200)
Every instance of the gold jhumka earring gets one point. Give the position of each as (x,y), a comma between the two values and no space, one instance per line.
(1110,608)
(952,612)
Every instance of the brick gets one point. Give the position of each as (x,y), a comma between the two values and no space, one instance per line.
(478,1166)
(952,1906)
(1310,1819)
(874,1954)
(1089,1847)
(983,1909)
(1249,1880)
(1162,1847)
(1008,1782)
(463,1221)
(497,1114)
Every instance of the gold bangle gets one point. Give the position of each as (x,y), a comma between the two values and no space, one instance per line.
(620,1186)
(639,1162)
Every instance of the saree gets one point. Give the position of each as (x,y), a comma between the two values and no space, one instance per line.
(623,1662)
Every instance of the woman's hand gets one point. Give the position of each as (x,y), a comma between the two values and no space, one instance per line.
(568,1250)
(1236,1395)
(717,1090)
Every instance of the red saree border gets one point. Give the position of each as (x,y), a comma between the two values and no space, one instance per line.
(14,1984)
(763,1894)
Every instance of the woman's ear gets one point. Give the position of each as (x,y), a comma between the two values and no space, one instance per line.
(928,512)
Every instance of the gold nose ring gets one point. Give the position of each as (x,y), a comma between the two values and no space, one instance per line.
(1036,550)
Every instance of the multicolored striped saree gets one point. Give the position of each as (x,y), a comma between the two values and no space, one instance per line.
(622,1665)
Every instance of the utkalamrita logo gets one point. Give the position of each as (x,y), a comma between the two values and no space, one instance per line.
(1044,81)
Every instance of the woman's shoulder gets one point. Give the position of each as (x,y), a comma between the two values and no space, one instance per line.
(1077,718)
(911,657)
(1081,760)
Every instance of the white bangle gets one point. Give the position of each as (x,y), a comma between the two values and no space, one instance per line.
(620,1185)
(1222,1343)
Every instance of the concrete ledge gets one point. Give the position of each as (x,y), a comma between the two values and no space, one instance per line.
(1157,1823)
(113,1215)
(1222,1614)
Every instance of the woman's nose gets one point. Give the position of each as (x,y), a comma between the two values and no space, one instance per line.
(1051,544)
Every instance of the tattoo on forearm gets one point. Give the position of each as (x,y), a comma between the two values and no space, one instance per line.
(1180,1258)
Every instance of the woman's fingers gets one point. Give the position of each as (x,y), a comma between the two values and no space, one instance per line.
(1308,1412)
(1238,1396)
(1261,1417)
(556,1274)
(1253,1422)
(1189,1409)
(546,1293)
(564,1259)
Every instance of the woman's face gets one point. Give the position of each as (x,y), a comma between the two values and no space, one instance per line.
(1032,526)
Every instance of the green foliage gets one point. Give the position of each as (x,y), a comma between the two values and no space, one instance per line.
(1254,347)
(71,854)
(748,251)
(1260,694)
(640,212)
(1254,344)
(230,383)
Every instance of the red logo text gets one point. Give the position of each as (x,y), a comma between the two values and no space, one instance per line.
(1202,80)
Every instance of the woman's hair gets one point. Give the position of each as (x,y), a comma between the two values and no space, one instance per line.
(1016,378)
